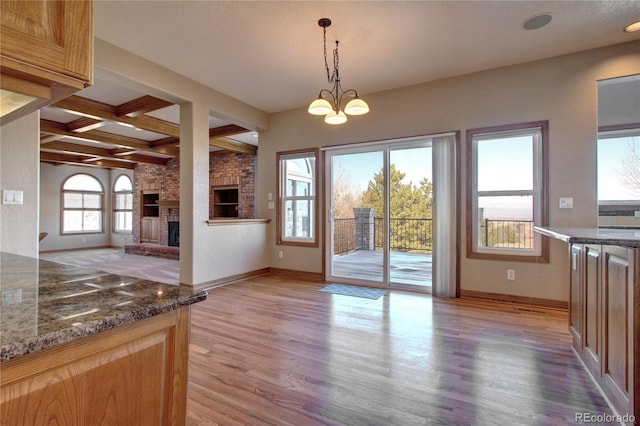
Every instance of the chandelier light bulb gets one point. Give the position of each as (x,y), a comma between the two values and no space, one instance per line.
(335,118)
(320,107)
(356,106)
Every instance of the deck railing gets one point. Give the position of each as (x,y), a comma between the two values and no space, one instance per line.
(507,233)
(416,235)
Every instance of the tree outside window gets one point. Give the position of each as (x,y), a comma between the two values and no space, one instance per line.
(82,200)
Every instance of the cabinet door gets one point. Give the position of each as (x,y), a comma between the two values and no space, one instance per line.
(593,309)
(576,296)
(618,344)
(135,374)
(53,36)
(155,229)
(149,229)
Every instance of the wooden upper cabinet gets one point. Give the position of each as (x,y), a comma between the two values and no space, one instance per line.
(46,51)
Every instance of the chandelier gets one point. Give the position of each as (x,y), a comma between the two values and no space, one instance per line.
(329,101)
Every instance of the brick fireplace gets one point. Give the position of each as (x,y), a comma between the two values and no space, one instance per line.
(162,183)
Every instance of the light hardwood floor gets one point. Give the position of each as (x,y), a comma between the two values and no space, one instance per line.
(269,351)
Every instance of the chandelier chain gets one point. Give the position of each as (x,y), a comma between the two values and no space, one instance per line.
(330,77)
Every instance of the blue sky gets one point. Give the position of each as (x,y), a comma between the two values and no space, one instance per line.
(415,163)
(611,153)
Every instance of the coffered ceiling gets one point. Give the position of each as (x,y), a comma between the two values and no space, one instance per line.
(269,54)
(110,126)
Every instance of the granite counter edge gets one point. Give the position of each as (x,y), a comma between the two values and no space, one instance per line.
(567,236)
(17,349)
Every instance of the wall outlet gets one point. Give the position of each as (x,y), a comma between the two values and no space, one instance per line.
(511,274)
(566,202)
(280,254)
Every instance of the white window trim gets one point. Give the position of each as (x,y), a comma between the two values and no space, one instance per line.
(64,209)
(283,198)
(115,211)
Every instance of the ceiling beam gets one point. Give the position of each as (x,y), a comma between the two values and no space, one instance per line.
(231,145)
(53,128)
(102,153)
(227,130)
(57,158)
(84,124)
(147,159)
(74,148)
(140,106)
(94,109)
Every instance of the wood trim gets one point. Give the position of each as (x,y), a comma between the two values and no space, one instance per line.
(508,298)
(169,204)
(141,105)
(226,280)
(614,127)
(544,219)
(297,275)
(25,87)
(91,108)
(234,221)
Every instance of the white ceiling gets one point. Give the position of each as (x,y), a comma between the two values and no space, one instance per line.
(269,54)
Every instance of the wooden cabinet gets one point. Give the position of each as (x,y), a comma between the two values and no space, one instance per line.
(150,230)
(134,374)
(576,296)
(604,319)
(225,201)
(46,53)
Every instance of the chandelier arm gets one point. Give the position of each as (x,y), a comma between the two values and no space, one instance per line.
(332,98)
(348,92)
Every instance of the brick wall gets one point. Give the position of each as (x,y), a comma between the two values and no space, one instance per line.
(231,166)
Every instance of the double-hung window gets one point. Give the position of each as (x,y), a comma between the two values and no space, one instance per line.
(506,192)
(82,200)
(297,204)
(122,205)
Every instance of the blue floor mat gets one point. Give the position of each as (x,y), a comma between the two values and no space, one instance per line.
(356,291)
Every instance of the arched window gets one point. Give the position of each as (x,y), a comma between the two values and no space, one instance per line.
(82,200)
(122,205)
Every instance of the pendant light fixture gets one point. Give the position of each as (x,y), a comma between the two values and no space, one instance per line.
(329,101)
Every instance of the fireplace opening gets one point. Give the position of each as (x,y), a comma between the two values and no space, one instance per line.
(174,234)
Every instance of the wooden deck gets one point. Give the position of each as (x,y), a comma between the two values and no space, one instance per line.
(406,268)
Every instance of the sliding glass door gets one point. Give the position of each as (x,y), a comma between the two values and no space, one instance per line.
(380,202)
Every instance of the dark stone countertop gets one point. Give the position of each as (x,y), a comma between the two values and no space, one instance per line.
(615,237)
(45,303)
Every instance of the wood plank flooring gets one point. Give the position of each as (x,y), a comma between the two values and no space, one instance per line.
(269,351)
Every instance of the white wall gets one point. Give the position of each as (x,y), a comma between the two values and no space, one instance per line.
(19,170)
(619,101)
(562,90)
